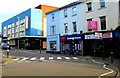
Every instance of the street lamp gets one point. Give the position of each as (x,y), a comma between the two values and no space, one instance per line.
(18,29)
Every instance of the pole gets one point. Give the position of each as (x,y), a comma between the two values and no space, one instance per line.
(8,49)
(40,46)
(111,57)
(94,53)
(18,30)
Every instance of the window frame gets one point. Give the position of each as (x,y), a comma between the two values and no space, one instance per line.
(104,22)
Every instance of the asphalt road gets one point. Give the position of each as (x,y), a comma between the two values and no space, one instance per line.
(52,68)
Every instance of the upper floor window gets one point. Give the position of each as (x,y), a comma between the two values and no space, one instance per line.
(102,3)
(52,16)
(87,23)
(74,27)
(103,22)
(52,30)
(74,11)
(65,13)
(66,27)
(89,6)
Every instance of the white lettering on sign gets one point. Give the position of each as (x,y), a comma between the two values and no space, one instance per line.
(70,38)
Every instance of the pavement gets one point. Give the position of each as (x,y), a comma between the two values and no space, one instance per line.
(83,59)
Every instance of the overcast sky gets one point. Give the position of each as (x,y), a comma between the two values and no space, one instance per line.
(9,8)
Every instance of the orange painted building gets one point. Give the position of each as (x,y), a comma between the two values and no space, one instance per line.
(45,9)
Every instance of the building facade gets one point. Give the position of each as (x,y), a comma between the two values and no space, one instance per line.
(92,20)
(27,30)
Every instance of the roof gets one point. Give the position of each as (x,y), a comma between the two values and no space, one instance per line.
(66,6)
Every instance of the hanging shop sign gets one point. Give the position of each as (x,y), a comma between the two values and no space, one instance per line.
(98,35)
(116,34)
(71,38)
(93,25)
(107,35)
(92,36)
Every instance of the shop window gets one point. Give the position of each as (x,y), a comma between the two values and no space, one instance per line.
(74,11)
(87,22)
(53,45)
(102,3)
(66,27)
(74,27)
(65,13)
(103,22)
(89,6)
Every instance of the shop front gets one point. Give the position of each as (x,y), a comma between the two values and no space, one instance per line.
(71,43)
(98,44)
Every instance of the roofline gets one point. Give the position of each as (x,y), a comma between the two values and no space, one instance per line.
(66,6)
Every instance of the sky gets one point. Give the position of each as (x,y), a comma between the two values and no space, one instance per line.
(10,8)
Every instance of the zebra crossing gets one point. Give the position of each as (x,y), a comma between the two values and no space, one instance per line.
(43,58)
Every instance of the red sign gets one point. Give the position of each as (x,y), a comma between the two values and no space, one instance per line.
(93,25)
(63,38)
(107,35)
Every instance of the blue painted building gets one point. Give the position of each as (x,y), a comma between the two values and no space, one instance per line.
(25,30)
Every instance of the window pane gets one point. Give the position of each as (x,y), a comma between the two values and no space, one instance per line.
(74,26)
(103,23)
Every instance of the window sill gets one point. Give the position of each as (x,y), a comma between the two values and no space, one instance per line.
(74,15)
(101,8)
(89,11)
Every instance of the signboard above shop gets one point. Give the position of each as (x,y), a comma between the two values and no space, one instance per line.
(70,37)
(107,35)
(99,36)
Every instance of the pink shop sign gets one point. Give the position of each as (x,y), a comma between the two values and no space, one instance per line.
(93,25)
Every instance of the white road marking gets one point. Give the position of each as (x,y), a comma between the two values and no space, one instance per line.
(24,59)
(111,71)
(59,58)
(16,59)
(75,58)
(67,58)
(50,58)
(42,58)
(34,58)
(104,66)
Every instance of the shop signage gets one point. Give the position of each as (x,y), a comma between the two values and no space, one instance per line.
(92,36)
(116,34)
(93,25)
(98,35)
(107,35)
(73,38)
(70,38)
(63,38)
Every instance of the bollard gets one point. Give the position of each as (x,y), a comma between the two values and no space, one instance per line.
(7,53)
(111,57)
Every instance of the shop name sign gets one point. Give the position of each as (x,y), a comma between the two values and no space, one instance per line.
(74,38)
(93,25)
(107,35)
(98,35)
(92,36)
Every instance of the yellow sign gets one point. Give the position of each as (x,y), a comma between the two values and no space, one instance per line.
(73,38)
(8,38)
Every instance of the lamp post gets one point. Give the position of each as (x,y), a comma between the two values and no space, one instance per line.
(18,30)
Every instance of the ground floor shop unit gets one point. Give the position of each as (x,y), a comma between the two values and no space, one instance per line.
(53,43)
(71,43)
(101,44)
(30,43)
